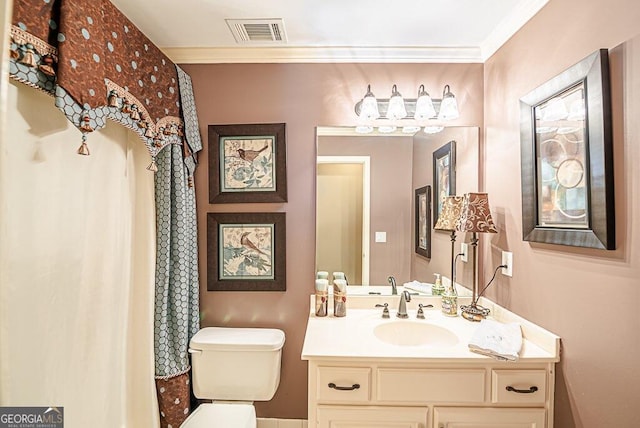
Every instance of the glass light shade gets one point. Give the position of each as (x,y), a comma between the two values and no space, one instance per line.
(364,129)
(433,129)
(555,110)
(475,215)
(369,108)
(410,129)
(386,129)
(396,108)
(576,110)
(448,106)
(424,105)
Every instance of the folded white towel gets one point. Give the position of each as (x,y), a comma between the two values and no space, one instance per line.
(497,340)
(422,287)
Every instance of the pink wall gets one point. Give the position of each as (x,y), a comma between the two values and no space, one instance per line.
(304,96)
(391,199)
(588,297)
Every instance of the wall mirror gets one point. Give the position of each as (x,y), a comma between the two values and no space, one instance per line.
(365,186)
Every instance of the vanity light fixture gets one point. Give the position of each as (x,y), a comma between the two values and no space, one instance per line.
(387,113)
(475,217)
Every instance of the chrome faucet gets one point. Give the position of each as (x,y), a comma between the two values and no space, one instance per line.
(394,290)
(402,308)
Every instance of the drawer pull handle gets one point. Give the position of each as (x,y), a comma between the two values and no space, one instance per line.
(531,390)
(344,388)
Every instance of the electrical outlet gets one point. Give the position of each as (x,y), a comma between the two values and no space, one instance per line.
(507,259)
(464,249)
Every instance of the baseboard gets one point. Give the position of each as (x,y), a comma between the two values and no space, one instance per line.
(282,423)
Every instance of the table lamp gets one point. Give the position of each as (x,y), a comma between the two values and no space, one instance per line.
(448,219)
(475,217)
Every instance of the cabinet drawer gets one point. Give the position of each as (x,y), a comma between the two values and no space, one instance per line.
(519,386)
(371,417)
(433,386)
(343,384)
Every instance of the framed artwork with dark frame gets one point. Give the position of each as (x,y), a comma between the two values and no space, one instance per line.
(444,176)
(246,252)
(247,163)
(567,158)
(423,221)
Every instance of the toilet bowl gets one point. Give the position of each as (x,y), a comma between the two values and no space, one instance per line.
(233,367)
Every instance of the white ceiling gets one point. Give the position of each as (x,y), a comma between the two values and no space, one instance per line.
(334,30)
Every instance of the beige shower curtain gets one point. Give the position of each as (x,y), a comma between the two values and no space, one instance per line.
(77,258)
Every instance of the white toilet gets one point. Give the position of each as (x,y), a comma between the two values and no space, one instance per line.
(233,367)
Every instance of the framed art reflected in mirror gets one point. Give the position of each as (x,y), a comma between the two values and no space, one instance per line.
(444,176)
(423,221)
(567,158)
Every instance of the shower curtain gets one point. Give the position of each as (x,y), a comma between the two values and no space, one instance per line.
(77,260)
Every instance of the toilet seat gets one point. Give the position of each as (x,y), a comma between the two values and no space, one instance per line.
(222,415)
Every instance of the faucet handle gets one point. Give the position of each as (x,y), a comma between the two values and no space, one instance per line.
(385,311)
(420,314)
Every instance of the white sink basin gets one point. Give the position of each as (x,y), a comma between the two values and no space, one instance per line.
(410,333)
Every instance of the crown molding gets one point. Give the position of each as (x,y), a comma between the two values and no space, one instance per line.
(323,55)
(509,26)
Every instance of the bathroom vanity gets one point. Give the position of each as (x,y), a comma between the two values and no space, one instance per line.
(366,371)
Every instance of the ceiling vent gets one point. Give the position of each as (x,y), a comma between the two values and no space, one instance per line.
(257,31)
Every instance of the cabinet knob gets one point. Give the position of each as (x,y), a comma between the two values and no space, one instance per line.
(531,390)
(344,388)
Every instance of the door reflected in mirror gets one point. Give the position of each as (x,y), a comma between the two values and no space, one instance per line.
(365,191)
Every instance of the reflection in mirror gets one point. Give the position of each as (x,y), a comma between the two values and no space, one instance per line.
(365,196)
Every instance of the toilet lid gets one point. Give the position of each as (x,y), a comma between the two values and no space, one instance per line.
(222,415)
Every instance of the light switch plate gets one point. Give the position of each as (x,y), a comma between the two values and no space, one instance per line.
(381,236)
(507,259)
(464,249)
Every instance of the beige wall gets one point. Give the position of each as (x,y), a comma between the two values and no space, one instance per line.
(339,219)
(588,297)
(391,199)
(304,96)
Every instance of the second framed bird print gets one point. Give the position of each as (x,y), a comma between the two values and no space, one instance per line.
(246,252)
(247,163)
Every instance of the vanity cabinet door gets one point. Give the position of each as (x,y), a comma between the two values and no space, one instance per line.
(371,417)
(478,417)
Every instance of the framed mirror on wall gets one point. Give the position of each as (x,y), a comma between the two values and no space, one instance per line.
(386,242)
(567,158)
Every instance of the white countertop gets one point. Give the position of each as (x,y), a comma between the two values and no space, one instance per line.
(353,336)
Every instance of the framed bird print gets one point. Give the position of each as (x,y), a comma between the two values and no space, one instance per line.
(246,252)
(247,163)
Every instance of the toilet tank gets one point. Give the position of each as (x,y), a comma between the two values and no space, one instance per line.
(240,364)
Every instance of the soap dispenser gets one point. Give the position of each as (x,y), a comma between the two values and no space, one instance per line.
(437,288)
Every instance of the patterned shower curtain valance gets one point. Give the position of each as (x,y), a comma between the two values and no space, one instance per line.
(98,65)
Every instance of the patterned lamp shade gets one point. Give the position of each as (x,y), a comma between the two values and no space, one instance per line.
(450,215)
(475,216)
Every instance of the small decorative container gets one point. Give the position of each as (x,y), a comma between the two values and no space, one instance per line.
(339,298)
(450,302)
(322,297)
(321,274)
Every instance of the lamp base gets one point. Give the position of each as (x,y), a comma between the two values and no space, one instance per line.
(474,312)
